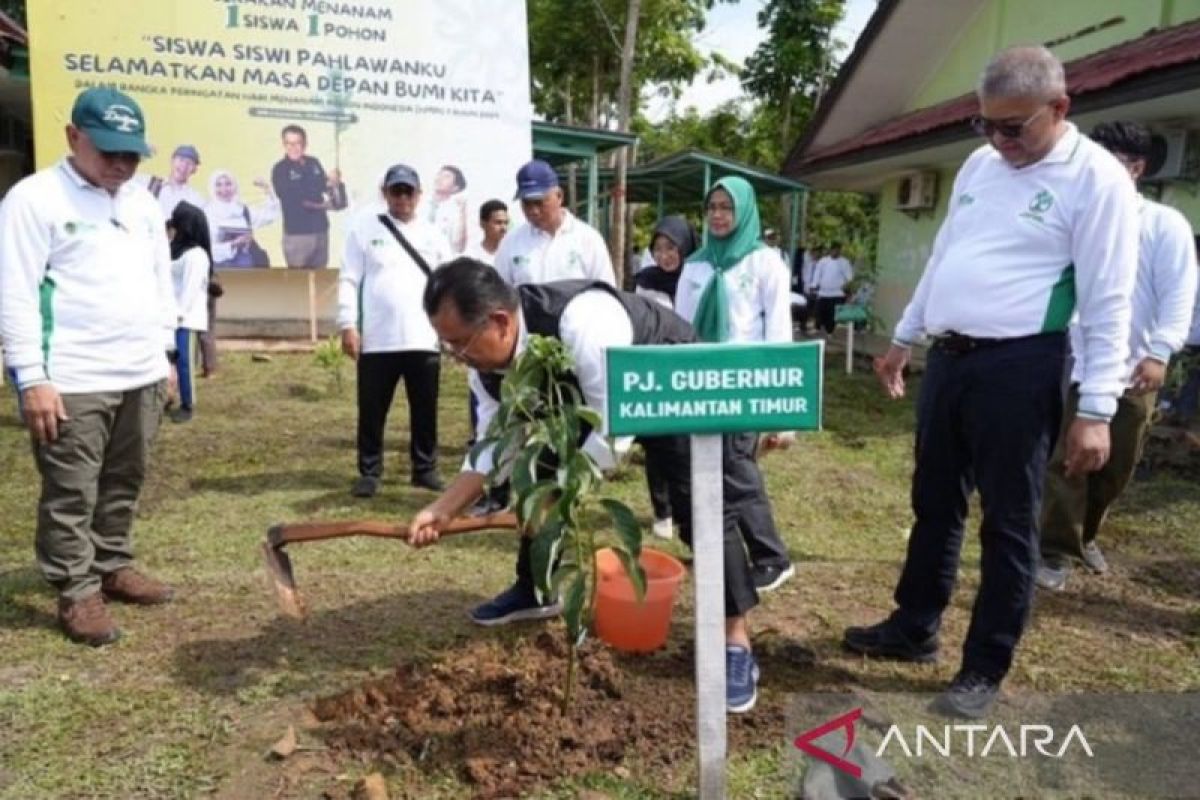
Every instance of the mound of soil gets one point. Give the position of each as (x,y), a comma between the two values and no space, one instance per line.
(491,713)
(1172,449)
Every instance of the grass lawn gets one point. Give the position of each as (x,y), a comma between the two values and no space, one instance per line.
(189,701)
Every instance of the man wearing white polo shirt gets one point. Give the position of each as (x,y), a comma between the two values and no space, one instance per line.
(1042,223)
(87,317)
(1076,506)
(552,244)
(386,261)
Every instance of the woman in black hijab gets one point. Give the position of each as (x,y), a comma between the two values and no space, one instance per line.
(673,241)
(191,271)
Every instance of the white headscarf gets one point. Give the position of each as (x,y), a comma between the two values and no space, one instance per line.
(227,211)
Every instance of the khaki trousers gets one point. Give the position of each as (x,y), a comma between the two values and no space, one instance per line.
(92,475)
(1073,509)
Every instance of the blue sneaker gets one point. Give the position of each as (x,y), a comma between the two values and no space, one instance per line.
(512,605)
(741,680)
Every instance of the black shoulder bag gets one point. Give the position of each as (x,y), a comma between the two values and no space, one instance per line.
(408,248)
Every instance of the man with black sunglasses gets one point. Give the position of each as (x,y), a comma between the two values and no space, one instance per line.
(1042,224)
(386,261)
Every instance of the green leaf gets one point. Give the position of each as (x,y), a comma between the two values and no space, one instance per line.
(543,553)
(530,504)
(625,524)
(633,568)
(589,415)
(573,608)
(524,469)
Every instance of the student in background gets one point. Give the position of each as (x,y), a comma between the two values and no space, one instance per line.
(191,266)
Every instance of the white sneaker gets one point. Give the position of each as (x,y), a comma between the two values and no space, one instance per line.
(663,528)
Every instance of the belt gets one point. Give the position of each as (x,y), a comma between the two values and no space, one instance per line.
(957,344)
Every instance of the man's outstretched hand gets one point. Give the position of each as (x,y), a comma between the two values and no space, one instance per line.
(890,370)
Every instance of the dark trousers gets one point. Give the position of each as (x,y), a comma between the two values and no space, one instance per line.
(185,367)
(378,374)
(986,419)
(757,523)
(1075,508)
(827,312)
(742,488)
(657,481)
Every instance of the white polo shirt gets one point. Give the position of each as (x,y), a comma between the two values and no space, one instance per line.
(380,287)
(476,251)
(190,273)
(86,297)
(1163,292)
(1022,249)
(575,250)
(830,276)
(758,293)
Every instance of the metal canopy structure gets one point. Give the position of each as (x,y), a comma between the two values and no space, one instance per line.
(562,145)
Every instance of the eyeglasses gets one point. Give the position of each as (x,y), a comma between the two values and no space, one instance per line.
(459,352)
(1009,130)
(719,208)
(401,190)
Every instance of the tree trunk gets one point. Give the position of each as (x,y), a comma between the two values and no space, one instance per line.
(572,170)
(624,103)
(785,207)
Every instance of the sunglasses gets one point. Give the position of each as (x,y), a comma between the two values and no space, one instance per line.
(988,128)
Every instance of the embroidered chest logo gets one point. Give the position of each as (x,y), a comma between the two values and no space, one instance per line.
(1039,205)
(966,199)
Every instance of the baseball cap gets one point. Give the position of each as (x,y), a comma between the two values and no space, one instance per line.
(187,151)
(401,175)
(535,179)
(111,119)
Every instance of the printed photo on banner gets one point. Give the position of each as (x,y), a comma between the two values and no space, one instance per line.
(278,119)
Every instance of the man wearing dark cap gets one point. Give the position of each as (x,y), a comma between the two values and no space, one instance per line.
(174,188)
(387,259)
(87,317)
(552,245)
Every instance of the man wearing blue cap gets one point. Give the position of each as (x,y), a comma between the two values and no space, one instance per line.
(173,189)
(87,317)
(386,261)
(552,245)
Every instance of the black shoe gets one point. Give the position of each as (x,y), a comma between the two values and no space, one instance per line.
(365,486)
(770,577)
(428,480)
(886,640)
(971,695)
(181,415)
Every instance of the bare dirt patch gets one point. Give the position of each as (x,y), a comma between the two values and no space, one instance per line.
(490,714)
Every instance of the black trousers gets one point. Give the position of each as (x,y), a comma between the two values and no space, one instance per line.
(742,488)
(987,420)
(757,522)
(827,312)
(657,481)
(378,374)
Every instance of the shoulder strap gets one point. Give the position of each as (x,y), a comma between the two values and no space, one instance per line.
(155,186)
(408,248)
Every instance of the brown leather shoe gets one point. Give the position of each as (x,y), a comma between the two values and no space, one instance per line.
(130,586)
(87,620)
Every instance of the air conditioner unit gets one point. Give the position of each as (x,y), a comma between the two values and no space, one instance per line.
(1174,155)
(917,191)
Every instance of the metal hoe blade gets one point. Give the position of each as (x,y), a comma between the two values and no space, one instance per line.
(282,579)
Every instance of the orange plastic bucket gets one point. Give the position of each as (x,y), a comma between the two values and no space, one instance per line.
(621,620)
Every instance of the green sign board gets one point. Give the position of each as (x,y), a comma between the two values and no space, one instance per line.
(706,388)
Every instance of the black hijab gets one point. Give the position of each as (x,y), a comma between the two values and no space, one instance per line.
(191,230)
(683,236)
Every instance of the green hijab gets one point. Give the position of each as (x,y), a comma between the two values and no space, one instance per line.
(712,314)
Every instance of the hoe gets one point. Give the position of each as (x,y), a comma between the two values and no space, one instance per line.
(279,564)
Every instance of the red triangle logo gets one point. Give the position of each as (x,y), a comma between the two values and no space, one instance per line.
(806,742)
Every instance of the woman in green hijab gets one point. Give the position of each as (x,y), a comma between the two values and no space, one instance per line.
(736,289)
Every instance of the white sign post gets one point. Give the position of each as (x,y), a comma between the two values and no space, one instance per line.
(707,391)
